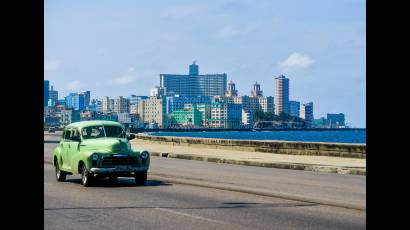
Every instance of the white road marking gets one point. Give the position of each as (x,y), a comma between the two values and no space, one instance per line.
(189,215)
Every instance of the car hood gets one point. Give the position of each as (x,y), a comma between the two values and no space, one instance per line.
(111,145)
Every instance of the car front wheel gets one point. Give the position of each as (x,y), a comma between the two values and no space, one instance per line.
(86,177)
(60,175)
(141,178)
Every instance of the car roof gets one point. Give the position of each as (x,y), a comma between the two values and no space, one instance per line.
(82,124)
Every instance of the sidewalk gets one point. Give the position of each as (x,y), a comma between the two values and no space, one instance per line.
(299,162)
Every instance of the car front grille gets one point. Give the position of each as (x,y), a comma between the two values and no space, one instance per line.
(113,161)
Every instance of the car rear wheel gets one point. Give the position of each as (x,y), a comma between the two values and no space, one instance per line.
(60,175)
(86,177)
(141,178)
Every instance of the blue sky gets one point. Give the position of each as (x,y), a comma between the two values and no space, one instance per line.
(120,47)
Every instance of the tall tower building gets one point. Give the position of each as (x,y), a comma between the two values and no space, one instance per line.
(46,89)
(282,95)
(306,113)
(193,69)
(231,92)
(194,84)
(256,90)
(53,94)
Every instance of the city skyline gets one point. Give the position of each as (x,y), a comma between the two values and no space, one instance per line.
(111,51)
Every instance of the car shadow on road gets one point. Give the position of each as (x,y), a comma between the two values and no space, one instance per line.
(121,182)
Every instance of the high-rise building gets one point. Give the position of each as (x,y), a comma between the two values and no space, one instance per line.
(231,92)
(294,108)
(256,90)
(306,113)
(87,98)
(107,105)
(152,112)
(157,92)
(46,89)
(75,101)
(194,84)
(282,95)
(121,105)
(53,94)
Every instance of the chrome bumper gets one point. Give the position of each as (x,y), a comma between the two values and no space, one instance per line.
(127,169)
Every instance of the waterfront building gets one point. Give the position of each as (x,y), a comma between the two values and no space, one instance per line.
(225,115)
(205,110)
(190,116)
(46,90)
(69,116)
(336,120)
(231,92)
(320,123)
(306,113)
(153,112)
(194,84)
(53,94)
(282,95)
(247,118)
(121,105)
(178,102)
(294,108)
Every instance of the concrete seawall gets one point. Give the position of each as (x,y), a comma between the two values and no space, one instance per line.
(277,147)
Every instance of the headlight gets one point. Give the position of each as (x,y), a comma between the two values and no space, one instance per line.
(94,157)
(144,155)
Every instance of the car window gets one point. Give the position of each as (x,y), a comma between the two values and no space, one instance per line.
(75,133)
(67,134)
(93,132)
(114,131)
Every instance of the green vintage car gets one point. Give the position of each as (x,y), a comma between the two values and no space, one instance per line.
(99,149)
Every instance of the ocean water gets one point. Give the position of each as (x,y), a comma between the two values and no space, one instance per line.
(347,136)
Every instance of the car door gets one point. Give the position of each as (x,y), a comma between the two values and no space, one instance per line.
(73,148)
(64,148)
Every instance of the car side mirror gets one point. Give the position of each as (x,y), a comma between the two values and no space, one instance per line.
(76,138)
(131,136)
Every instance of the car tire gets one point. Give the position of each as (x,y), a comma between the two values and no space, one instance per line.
(141,178)
(60,175)
(86,177)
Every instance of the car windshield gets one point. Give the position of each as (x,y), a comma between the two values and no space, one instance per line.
(99,131)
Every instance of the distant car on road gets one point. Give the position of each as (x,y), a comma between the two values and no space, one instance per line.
(98,149)
(51,130)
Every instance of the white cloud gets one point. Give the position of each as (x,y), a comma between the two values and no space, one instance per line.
(73,85)
(127,78)
(52,65)
(295,61)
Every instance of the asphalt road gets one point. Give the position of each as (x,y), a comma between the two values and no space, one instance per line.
(164,205)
